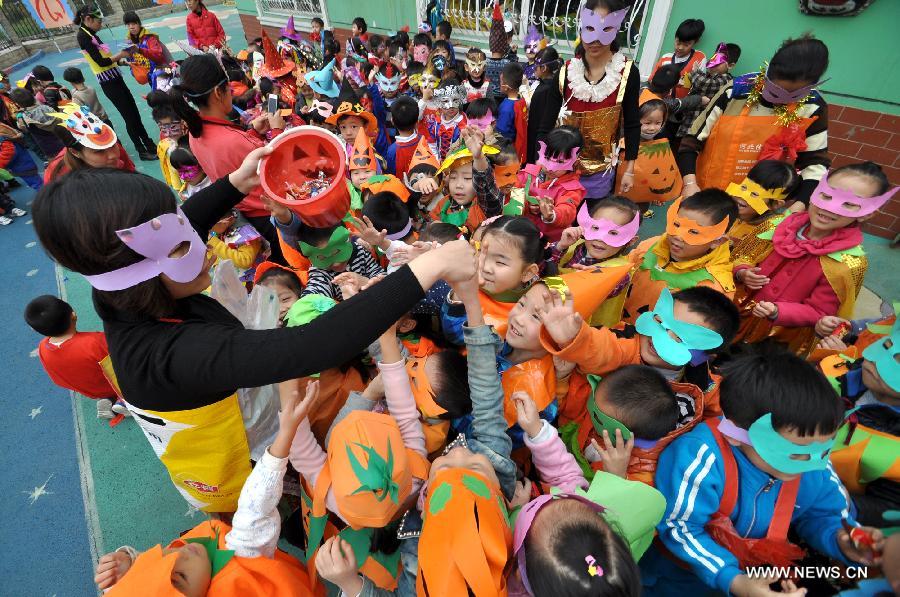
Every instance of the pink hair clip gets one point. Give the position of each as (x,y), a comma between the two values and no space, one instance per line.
(593,568)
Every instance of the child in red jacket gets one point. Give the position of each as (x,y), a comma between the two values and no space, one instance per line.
(72,358)
(552,189)
(815,264)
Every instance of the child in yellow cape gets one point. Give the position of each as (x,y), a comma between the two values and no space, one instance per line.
(215,559)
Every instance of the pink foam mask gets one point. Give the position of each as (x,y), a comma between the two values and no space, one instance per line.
(154,240)
(719,57)
(553,164)
(483,123)
(606,230)
(526,518)
(845,203)
(595,27)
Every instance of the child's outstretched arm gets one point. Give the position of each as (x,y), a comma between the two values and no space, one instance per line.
(398,393)
(488,425)
(257,524)
(595,350)
(557,467)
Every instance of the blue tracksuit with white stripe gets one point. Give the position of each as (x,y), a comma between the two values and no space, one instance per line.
(691,475)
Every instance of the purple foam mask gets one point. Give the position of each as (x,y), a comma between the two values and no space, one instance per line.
(607,230)
(595,27)
(155,240)
(484,123)
(729,429)
(719,58)
(189,172)
(698,357)
(775,94)
(556,165)
(526,518)
(401,233)
(845,203)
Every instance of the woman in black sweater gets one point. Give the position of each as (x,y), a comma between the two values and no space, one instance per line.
(175,349)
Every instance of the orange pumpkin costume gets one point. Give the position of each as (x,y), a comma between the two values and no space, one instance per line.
(466,540)
(151,572)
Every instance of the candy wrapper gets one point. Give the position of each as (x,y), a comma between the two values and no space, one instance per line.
(308,189)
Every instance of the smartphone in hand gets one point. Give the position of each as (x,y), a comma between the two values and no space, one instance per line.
(272,105)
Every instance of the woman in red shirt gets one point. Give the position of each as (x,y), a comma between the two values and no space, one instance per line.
(600,92)
(203,27)
(219,144)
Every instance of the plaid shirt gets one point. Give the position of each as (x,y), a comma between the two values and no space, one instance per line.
(706,84)
(490,198)
(579,256)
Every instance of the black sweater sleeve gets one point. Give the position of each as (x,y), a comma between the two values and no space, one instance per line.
(631,115)
(86,43)
(208,206)
(193,364)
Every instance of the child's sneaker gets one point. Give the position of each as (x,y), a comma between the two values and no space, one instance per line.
(104,409)
(18,213)
(648,213)
(5,221)
(120,409)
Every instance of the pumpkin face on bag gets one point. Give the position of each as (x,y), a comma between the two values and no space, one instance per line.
(656,175)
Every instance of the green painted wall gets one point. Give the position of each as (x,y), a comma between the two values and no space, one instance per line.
(382,16)
(864,57)
(246,6)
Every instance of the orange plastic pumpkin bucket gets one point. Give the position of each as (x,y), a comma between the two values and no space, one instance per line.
(303,155)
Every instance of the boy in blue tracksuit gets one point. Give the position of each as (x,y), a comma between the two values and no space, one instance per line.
(768,455)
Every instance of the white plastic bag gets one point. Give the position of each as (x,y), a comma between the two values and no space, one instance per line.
(259,311)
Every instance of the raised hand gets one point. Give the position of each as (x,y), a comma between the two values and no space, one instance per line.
(569,237)
(615,456)
(527,414)
(367,231)
(560,319)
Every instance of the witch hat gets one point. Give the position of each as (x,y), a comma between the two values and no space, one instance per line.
(362,157)
(348,105)
(322,81)
(274,65)
(289,31)
(497,40)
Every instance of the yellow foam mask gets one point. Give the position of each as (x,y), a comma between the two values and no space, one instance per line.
(689,230)
(754,194)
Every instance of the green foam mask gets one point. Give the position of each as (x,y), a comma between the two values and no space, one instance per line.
(338,249)
(693,340)
(779,453)
(884,354)
(601,420)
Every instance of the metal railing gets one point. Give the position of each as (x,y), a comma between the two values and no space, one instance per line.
(298,8)
(557,19)
(5,42)
(23,25)
(136,4)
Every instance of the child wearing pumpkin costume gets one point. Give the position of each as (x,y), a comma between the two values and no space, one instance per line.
(362,164)
(865,452)
(760,199)
(214,558)
(373,468)
(702,319)
(510,250)
(552,188)
(815,263)
(606,231)
(421,179)
(581,538)
(656,177)
(694,251)
(734,486)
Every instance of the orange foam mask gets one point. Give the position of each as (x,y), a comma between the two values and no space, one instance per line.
(689,230)
(506,175)
(466,543)
(434,428)
(370,469)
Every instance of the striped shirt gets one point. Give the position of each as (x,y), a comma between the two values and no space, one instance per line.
(321,281)
(812,163)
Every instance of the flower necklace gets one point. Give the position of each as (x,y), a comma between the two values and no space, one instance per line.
(785,115)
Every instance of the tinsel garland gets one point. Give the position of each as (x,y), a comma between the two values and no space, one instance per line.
(785,115)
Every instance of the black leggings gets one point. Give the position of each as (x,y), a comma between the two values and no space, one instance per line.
(119,94)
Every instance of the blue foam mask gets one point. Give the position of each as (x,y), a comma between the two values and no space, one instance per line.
(693,340)
(884,354)
(778,451)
